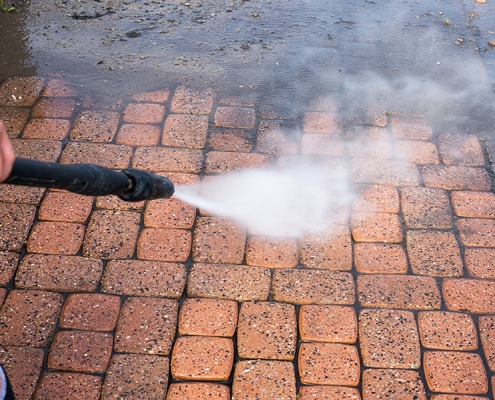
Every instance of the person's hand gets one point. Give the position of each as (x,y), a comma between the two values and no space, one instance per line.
(7,155)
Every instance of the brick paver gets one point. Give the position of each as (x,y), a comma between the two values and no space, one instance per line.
(208,317)
(146,326)
(335,324)
(80,351)
(202,358)
(66,385)
(264,380)
(102,298)
(258,319)
(455,372)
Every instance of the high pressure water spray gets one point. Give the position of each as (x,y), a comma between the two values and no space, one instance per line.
(91,180)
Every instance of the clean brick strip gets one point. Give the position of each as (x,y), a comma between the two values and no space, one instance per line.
(230,282)
(469,295)
(313,287)
(144,278)
(398,291)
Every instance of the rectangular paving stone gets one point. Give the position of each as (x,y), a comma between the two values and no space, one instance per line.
(54,107)
(21,194)
(231,140)
(187,100)
(202,358)
(278,138)
(474,204)
(443,330)
(389,339)
(22,366)
(80,351)
(20,91)
(232,282)
(320,122)
(138,135)
(59,273)
(143,113)
(264,380)
(328,393)
(398,291)
(136,376)
(218,240)
(46,128)
(111,234)
(392,384)
(420,153)
(469,295)
(334,324)
(197,391)
(168,159)
(55,238)
(480,263)
(329,364)
(65,207)
(377,198)
(369,142)
(144,278)
(329,249)
(90,312)
(163,244)
(313,287)
(272,252)
(376,227)
(455,372)
(65,385)
(486,325)
(15,223)
(28,317)
(95,126)
(477,232)
(378,258)
(106,155)
(434,253)
(169,213)
(189,131)
(208,317)
(14,119)
(146,326)
(414,129)
(450,177)
(384,172)
(37,149)
(235,117)
(461,150)
(8,266)
(154,96)
(219,162)
(267,330)
(426,208)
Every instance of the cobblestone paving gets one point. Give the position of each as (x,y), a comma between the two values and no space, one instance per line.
(154,300)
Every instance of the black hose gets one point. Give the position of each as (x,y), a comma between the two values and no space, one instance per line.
(91,180)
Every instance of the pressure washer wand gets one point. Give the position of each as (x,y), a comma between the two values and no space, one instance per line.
(91,180)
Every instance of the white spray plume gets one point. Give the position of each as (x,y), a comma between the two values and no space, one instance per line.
(277,201)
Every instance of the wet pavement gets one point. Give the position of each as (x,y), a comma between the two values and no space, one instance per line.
(107,299)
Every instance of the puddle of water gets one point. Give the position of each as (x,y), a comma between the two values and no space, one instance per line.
(399,54)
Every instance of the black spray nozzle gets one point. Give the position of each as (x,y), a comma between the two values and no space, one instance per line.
(91,180)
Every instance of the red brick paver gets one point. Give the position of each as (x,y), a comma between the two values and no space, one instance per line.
(100,297)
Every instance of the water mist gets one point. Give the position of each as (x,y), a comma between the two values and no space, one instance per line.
(274,201)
